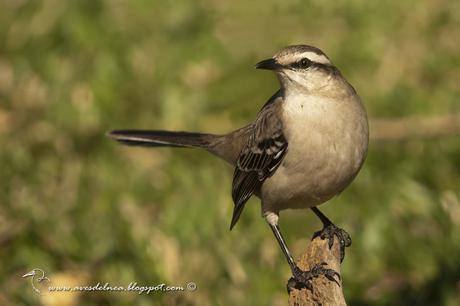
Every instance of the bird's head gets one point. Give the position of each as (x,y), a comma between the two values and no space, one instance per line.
(34,272)
(301,67)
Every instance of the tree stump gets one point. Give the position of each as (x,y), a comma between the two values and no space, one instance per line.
(325,292)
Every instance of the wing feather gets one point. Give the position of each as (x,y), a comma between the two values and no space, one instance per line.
(260,157)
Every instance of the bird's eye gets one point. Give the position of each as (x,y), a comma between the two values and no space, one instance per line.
(304,63)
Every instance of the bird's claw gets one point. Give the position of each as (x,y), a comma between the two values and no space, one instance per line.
(329,231)
(303,279)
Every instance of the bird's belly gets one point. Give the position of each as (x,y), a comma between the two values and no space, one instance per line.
(325,152)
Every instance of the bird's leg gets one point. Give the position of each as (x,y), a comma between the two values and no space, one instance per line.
(330,230)
(302,279)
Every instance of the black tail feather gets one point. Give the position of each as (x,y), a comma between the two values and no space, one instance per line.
(161,138)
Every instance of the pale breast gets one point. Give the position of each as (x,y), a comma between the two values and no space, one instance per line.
(327,144)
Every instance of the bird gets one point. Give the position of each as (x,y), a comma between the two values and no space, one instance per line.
(40,278)
(306,145)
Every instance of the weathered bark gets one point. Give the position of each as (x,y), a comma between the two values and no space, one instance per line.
(325,292)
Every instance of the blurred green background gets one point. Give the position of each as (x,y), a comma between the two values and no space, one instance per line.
(87,210)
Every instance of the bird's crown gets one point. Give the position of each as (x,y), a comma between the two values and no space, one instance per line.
(301,54)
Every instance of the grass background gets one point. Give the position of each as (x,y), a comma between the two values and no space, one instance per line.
(86,210)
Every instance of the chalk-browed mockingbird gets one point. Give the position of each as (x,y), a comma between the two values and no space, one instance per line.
(305,146)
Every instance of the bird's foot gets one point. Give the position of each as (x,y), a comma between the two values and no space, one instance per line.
(329,231)
(302,279)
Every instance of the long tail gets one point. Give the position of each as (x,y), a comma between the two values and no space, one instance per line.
(162,138)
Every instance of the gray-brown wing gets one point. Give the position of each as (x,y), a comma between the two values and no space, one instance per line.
(259,158)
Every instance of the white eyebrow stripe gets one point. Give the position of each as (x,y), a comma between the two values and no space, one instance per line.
(314,57)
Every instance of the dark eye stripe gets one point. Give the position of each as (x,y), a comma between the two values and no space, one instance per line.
(303,63)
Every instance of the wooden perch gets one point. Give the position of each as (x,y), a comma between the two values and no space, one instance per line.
(325,292)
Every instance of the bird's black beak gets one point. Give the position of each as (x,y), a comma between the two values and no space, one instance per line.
(268,64)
